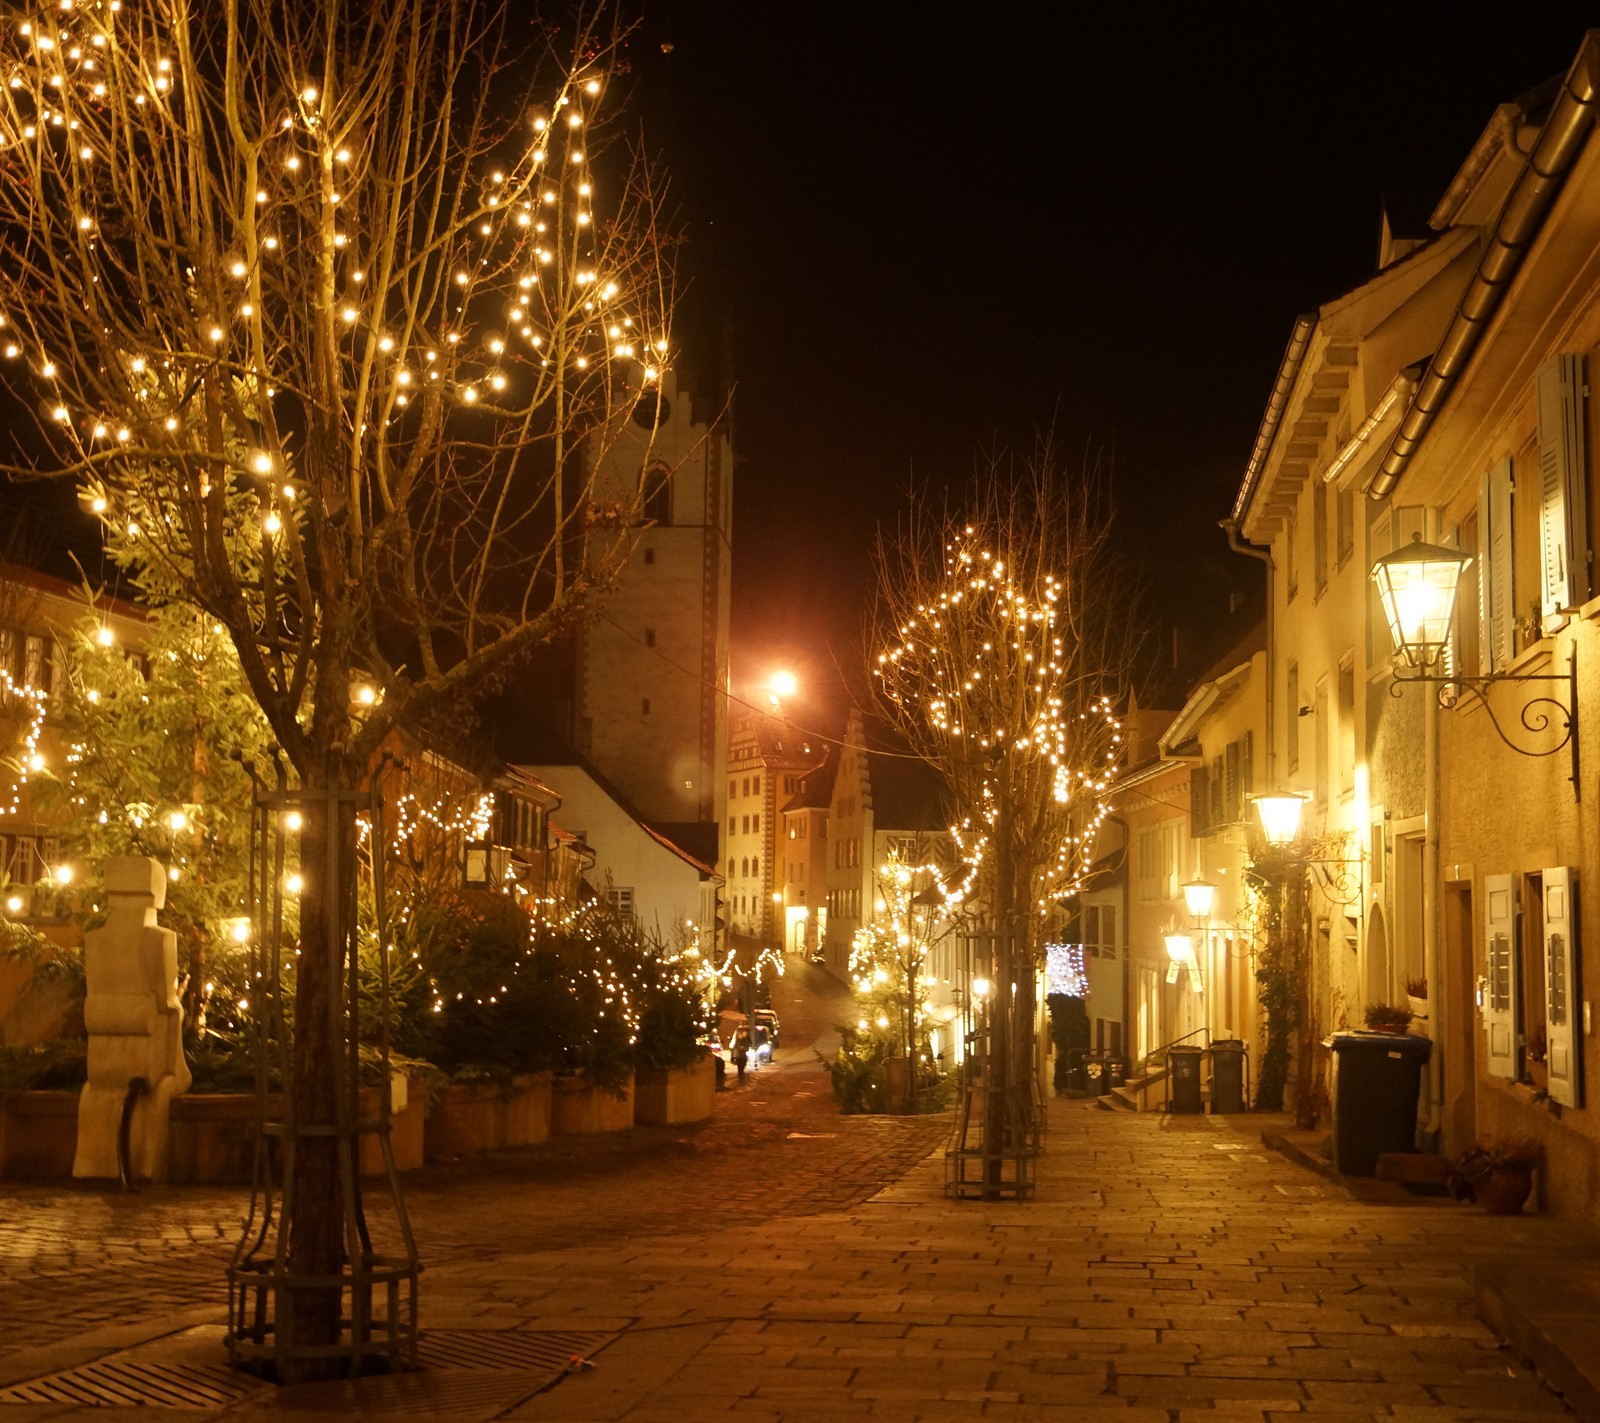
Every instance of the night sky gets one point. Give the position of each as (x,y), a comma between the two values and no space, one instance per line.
(931,232)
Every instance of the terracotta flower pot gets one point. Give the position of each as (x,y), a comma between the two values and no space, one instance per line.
(1505,1190)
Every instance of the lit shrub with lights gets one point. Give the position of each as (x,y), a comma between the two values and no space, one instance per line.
(499,993)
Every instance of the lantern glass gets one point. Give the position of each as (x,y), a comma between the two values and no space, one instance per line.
(1180,947)
(1280,815)
(1198,897)
(1417,586)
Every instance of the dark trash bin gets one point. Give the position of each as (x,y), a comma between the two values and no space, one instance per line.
(1095,1081)
(1183,1079)
(1377,1078)
(1077,1072)
(1227,1076)
(1117,1070)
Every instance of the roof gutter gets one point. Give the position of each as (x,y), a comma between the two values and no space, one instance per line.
(1288,372)
(1402,387)
(1560,140)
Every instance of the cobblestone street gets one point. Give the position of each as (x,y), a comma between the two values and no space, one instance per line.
(784,1264)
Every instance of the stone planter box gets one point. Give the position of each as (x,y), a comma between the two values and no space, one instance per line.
(38,1135)
(579,1108)
(211,1135)
(469,1117)
(408,1106)
(680,1094)
(528,1109)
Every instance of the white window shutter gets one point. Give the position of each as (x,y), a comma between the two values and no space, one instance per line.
(1500,1008)
(1563,512)
(1562,1000)
(1497,608)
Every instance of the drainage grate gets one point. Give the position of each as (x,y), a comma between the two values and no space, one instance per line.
(127,1382)
(478,1372)
(186,1371)
(480,1349)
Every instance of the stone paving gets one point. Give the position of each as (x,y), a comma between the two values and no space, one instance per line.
(782,1264)
(1170,1270)
(75,1257)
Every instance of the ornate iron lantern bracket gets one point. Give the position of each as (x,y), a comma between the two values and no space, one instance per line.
(1540,716)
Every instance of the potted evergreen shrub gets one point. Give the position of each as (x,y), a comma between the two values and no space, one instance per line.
(1497,1173)
(1387,1018)
(674,1073)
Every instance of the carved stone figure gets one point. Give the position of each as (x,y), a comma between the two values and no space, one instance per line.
(135,1025)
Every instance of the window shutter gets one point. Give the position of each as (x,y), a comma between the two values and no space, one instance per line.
(1563,1033)
(1563,517)
(1218,789)
(503,829)
(1500,974)
(1199,803)
(1247,774)
(1232,797)
(1496,595)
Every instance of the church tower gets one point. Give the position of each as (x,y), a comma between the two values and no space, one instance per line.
(652,694)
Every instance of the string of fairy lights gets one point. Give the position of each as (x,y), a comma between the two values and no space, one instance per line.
(889,954)
(986,663)
(28,760)
(525,266)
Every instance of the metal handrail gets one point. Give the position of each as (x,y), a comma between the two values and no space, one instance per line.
(1156,1051)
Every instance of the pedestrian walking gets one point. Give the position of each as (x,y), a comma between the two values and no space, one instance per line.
(741,1050)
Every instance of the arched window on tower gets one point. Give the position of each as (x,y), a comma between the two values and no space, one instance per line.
(655,496)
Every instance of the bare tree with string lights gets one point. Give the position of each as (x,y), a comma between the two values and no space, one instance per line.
(329,306)
(1005,647)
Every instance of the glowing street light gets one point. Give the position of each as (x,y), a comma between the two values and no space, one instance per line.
(1280,814)
(1198,897)
(1417,586)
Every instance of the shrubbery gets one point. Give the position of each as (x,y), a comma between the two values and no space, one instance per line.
(477,989)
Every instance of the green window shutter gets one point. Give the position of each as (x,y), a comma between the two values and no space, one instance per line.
(1500,1008)
(1562,1001)
(1199,803)
(1497,600)
(1563,512)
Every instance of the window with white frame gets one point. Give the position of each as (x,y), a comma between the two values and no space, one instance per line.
(1532,1006)
(1160,850)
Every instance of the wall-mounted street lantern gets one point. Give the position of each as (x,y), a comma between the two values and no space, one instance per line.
(1417,586)
(1279,812)
(1198,897)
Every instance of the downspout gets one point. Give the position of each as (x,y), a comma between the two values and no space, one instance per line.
(1536,187)
(1238,545)
(1124,948)
(1271,421)
(1431,907)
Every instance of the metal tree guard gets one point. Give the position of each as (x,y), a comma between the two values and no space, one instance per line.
(996,1140)
(378,1291)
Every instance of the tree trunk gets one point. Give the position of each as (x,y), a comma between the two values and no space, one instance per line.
(320,1181)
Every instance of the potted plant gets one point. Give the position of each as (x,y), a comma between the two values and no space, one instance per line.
(1387,1018)
(1417,997)
(1497,1173)
(1538,1065)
